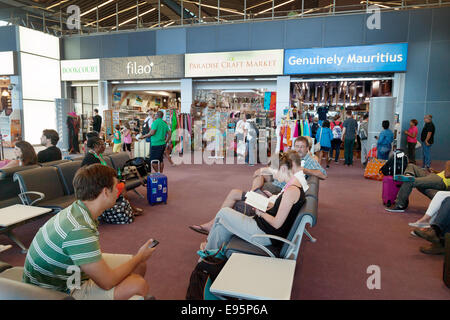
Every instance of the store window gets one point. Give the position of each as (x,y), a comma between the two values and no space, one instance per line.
(10,120)
(85,101)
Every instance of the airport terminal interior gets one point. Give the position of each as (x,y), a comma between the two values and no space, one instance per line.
(224,150)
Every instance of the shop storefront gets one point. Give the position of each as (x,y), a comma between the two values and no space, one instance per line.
(326,82)
(137,85)
(10,118)
(227,85)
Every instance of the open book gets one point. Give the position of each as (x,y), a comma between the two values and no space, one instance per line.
(259,201)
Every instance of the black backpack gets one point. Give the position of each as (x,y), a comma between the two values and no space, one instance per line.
(447,261)
(388,168)
(140,164)
(145,128)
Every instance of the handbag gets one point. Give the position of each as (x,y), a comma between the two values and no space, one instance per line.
(120,213)
(418,144)
(374,165)
(317,145)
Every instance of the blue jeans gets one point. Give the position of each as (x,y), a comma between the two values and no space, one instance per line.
(426,150)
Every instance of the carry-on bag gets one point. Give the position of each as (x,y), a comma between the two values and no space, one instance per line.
(390,190)
(156,186)
(373,167)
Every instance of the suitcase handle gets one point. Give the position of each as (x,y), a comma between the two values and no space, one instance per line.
(159,164)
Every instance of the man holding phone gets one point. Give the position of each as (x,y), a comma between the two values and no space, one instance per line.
(69,242)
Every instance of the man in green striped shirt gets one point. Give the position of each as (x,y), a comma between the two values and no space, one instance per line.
(65,254)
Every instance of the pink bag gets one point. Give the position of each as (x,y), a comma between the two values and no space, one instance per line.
(4,163)
(390,190)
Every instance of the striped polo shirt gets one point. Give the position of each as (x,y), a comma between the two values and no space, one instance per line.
(69,238)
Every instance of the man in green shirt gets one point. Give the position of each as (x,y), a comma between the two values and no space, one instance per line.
(65,254)
(159,135)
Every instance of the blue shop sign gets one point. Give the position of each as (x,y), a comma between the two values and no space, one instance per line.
(374,58)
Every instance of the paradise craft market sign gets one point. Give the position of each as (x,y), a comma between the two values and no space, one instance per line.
(373,58)
(237,63)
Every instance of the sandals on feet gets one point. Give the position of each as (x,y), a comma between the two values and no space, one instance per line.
(199,229)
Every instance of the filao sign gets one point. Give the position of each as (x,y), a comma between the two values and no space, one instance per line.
(375,58)
(85,69)
(238,63)
(143,67)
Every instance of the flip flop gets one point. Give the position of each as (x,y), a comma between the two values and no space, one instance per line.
(199,229)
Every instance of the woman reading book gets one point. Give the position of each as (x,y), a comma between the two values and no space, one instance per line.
(277,220)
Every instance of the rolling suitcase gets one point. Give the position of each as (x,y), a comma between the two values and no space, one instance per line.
(156,187)
(390,190)
(391,184)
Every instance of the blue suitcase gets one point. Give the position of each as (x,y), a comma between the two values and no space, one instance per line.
(156,187)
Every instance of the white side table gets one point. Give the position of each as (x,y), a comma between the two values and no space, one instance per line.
(13,216)
(253,277)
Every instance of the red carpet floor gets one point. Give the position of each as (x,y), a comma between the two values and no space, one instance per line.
(353,232)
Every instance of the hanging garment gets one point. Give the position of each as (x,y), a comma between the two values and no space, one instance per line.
(273,101)
(267,98)
(295,130)
(174,127)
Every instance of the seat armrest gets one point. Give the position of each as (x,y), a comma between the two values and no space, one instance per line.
(24,197)
(17,290)
(270,236)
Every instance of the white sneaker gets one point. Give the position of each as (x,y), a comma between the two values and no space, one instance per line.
(419,224)
(4,247)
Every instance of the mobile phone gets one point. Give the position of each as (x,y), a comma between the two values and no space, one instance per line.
(153,244)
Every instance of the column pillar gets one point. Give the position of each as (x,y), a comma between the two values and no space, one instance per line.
(186,95)
(104,96)
(283,94)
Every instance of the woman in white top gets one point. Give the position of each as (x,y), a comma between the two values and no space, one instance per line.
(240,135)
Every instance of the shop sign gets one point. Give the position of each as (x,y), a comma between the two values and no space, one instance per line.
(7,63)
(85,69)
(373,58)
(238,63)
(145,67)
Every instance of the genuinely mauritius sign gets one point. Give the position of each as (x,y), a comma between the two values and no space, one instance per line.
(375,58)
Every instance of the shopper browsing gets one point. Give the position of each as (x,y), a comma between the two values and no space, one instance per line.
(324,137)
(336,128)
(240,136)
(49,139)
(71,239)
(127,139)
(117,139)
(96,121)
(252,140)
(349,136)
(159,135)
(363,136)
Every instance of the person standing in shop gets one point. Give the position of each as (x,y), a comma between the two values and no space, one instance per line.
(96,121)
(252,140)
(411,140)
(336,128)
(349,136)
(160,136)
(427,138)
(117,139)
(363,135)
(240,136)
(384,144)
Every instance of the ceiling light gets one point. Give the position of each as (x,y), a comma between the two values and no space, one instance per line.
(89,11)
(279,5)
(142,14)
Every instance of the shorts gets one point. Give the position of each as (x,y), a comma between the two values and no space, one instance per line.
(116,147)
(157,153)
(326,149)
(126,146)
(90,291)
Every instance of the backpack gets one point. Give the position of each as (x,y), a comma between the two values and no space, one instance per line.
(362,133)
(204,274)
(145,128)
(388,168)
(120,213)
(337,132)
(140,164)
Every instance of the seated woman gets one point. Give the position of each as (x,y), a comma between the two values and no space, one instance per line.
(276,221)
(384,144)
(96,147)
(433,208)
(25,155)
